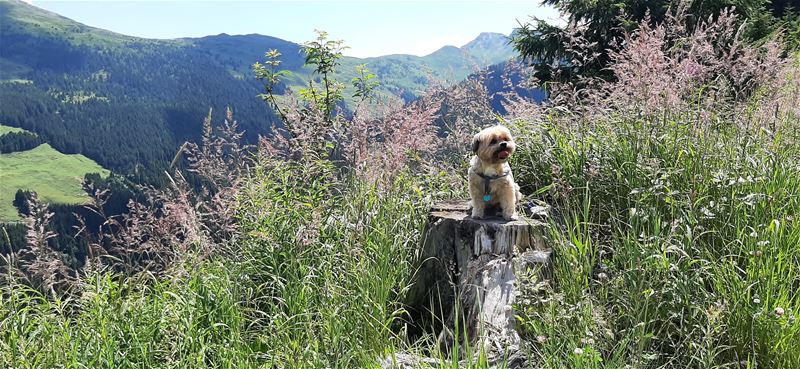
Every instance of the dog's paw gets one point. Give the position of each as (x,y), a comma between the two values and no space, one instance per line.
(477,215)
(513,216)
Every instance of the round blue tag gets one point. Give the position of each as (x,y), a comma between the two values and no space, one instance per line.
(487,197)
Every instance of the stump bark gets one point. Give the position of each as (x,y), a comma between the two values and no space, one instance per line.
(466,280)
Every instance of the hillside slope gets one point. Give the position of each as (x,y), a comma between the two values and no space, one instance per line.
(55,176)
(120,100)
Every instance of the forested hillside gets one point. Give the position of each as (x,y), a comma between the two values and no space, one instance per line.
(128,102)
(125,102)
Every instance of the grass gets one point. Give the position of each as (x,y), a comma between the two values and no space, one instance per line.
(27,18)
(56,177)
(327,271)
(695,229)
(675,246)
(314,283)
(9,129)
(126,325)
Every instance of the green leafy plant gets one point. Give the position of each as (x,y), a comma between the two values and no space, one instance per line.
(270,77)
(364,83)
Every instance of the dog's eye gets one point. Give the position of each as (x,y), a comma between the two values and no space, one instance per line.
(494,141)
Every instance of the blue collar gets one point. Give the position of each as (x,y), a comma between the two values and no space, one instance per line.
(486,181)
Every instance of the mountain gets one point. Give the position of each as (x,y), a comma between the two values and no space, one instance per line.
(409,76)
(404,75)
(488,47)
(128,102)
(125,102)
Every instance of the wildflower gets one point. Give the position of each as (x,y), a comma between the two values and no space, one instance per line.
(756,300)
(578,351)
(779,311)
(541,339)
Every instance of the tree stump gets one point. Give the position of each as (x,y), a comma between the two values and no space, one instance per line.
(466,280)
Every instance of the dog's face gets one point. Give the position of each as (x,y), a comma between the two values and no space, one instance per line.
(493,145)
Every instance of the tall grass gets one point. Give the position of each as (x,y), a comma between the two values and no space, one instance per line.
(196,321)
(696,235)
(677,246)
(315,282)
(328,269)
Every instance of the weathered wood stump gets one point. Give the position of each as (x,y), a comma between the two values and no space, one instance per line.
(466,280)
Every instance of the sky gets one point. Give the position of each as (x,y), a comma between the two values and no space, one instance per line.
(368,28)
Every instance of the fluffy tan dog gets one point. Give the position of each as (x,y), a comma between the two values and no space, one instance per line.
(491,183)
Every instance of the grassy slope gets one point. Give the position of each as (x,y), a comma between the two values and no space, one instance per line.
(37,21)
(55,176)
(694,229)
(8,129)
(697,229)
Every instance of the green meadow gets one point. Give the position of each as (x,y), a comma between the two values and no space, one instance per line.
(55,176)
(7,129)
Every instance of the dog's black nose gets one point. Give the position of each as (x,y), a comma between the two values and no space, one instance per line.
(503,144)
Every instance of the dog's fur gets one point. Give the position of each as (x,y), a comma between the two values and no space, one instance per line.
(488,160)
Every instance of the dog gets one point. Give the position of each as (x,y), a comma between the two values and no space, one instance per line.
(491,183)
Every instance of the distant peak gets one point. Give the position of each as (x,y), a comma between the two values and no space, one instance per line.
(485,38)
(490,47)
(491,35)
(448,48)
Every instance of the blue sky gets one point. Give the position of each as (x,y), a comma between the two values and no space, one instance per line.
(369,28)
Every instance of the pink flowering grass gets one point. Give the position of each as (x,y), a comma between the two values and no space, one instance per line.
(675,185)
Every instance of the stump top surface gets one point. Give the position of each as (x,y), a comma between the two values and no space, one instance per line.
(460,210)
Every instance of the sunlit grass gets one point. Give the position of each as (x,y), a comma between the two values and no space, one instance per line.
(696,236)
(55,176)
(697,231)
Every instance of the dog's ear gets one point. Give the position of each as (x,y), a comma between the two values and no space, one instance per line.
(476,142)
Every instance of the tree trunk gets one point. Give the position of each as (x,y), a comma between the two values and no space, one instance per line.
(466,279)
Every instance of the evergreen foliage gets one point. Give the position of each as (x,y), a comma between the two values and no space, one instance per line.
(601,25)
(18,141)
